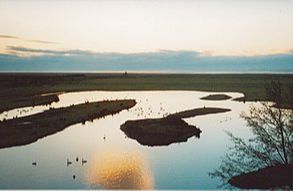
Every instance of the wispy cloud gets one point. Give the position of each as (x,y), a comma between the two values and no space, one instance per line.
(46,51)
(33,40)
(160,53)
(43,41)
(9,36)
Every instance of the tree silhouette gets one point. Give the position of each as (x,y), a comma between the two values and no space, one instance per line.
(272,144)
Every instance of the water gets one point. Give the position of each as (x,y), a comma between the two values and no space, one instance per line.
(118,161)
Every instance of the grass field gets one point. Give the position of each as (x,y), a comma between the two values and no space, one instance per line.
(24,89)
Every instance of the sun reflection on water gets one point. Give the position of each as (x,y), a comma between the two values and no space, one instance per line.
(119,170)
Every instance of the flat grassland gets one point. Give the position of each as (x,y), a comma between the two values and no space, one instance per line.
(25,89)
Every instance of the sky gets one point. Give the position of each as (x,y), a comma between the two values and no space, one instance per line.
(229,28)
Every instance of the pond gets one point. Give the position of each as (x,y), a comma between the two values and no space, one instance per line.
(100,155)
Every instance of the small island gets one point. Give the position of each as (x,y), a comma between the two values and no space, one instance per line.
(28,129)
(280,176)
(166,130)
(216,97)
(159,132)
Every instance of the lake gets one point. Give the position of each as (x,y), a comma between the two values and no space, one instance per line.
(111,160)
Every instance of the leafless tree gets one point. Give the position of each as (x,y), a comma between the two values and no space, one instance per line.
(272,143)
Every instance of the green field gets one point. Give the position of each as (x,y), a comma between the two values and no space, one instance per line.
(24,89)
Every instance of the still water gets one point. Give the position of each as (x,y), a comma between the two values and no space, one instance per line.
(111,160)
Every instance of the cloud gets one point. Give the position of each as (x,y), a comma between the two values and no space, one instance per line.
(163,60)
(9,36)
(46,51)
(160,53)
(43,41)
(34,40)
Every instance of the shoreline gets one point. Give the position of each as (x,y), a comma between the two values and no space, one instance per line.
(18,89)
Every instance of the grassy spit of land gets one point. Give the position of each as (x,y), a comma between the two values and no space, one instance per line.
(166,130)
(198,112)
(25,130)
(24,89)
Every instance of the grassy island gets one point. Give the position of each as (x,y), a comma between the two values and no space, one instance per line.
(28,129)
(167,130)
(216,97)
(158,132)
